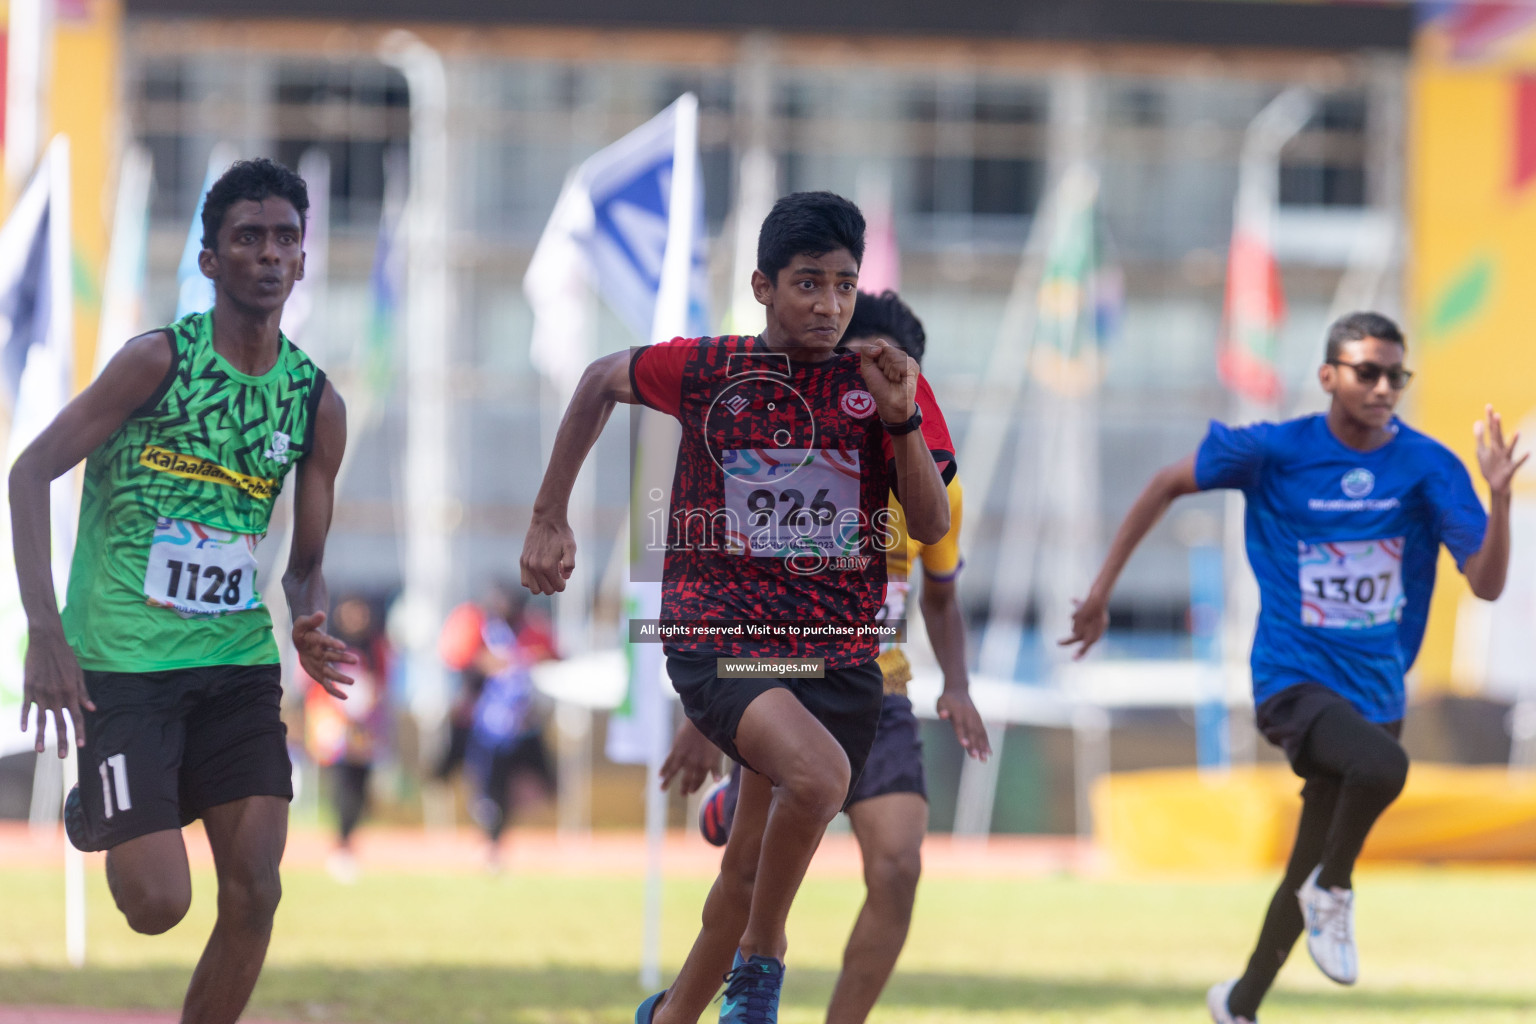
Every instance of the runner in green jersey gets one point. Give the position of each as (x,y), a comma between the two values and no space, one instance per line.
(163,658)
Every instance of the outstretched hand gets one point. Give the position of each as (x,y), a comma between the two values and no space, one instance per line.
(691,759)
(956,708)
(1495,457)
(320,653)
(51,679)
(889,374)
(1090,620)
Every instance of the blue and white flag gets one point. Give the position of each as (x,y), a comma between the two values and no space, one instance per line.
(609,230)
(37,342)
(629,224)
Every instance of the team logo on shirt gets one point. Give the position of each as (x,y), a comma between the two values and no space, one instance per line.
(736,405)
(1357,483)
(279,450)
(858,404)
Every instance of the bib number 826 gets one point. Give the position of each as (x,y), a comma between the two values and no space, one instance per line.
(762,502)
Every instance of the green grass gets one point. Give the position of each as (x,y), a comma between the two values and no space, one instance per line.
(1438,946)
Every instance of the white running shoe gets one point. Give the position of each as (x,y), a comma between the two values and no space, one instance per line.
(1330,919)
(1216,1001)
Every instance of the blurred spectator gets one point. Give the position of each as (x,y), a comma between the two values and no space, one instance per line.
(346,737)
(496,726)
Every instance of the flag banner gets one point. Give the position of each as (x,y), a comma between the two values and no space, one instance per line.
(37,339)
(559,289)
(194,292)
(303,312)
(1255,308)
(629,224)
(756,189)
(1080,294)
(615,210)
(122,296)
(881,267)
(374,361)
(1255,303)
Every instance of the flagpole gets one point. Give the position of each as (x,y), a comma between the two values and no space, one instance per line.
(671,318)
(429,491)
(1249,304)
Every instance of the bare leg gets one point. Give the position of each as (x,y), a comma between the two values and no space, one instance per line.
(890,831)
(150,881)
(247,837)
(725,910)
(809,774)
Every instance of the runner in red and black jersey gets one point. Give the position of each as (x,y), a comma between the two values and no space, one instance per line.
(789,452)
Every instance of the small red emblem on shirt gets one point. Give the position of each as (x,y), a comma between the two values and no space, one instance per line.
(858,404)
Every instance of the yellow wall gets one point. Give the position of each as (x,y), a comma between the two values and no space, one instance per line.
(85,105)
(1473,269)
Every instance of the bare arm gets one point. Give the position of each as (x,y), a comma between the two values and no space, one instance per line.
(304,581)
(1092,616)
(549,548)
(1487,569)
(52,676)
(891,376)
(946,632)
(921,487)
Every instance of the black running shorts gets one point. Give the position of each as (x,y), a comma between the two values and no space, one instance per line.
(895,762)
(846,701)
(163,747)
(1287,717)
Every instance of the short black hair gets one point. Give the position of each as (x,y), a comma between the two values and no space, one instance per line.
(1358,327)
(885,314)
(814,223)
(255,180)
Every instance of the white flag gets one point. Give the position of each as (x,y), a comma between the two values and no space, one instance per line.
(194,292)
(301,311)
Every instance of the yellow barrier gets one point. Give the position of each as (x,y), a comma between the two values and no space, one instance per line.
(1180,820)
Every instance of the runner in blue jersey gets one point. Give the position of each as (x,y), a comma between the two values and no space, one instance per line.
(1346,512)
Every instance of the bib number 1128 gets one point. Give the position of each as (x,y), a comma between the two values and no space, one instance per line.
(221,589)
(199,570)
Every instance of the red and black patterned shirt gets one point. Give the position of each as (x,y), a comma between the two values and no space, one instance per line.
(779,502)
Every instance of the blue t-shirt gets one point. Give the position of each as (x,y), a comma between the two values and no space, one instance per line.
(1344,545)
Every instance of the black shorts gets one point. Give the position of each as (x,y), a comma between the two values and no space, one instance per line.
(846,701)
(896,760)
(1287,717)
(163,747)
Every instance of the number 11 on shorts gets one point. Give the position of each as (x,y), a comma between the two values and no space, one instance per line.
(114,783)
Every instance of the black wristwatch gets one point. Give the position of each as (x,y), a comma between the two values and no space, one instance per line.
(907,425)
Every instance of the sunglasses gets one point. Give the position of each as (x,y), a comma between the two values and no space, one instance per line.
(1369,373)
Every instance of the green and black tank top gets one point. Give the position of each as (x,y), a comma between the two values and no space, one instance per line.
(174,503)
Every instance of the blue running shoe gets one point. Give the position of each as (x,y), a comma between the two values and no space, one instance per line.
(647,1010)
(74,823)
(718,808)
(752,991)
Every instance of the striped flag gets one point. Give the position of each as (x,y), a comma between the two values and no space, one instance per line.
(1255,302)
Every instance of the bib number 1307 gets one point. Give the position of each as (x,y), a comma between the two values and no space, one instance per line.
(198,570)
(1352,584)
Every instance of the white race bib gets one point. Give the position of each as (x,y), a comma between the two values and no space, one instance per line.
(1351,584)
(792,501)
(198,570)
